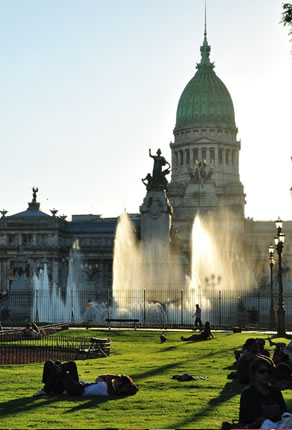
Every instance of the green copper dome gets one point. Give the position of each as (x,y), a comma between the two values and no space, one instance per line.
(205,101)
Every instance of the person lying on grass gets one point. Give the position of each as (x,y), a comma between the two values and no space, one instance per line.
(204,335)
(63,378)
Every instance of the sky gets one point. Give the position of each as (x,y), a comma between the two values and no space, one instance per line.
(88,86)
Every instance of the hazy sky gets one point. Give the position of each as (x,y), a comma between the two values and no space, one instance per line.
(87,86)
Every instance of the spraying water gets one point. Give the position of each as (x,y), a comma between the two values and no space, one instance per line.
(217,256)
(48,303)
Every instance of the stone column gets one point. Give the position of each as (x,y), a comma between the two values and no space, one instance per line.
(200,154)
(192,157)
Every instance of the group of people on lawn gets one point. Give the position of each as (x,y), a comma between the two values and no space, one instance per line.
(263,376)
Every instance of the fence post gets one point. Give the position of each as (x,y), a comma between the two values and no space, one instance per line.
(108,303)
(181,307)
(72,309)
(258,308)
(37,306)
(144,306)
(220,309)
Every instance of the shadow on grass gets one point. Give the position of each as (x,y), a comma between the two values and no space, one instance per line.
(208,354)
(169,348)
(156,371)
(88,402)
(230,390)
(28,404)
(24,404)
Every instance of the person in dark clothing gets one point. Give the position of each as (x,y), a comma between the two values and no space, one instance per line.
(63,378)
(259,401)
(204,335)
(197,316)
(244,361)
(53,376)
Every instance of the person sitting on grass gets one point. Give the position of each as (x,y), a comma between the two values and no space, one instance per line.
(204,335)
(282,352)
(243,364)
(259,401)
(31,330)
(282,377)
(63,378)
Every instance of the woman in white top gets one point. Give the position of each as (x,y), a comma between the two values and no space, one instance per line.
(63,378)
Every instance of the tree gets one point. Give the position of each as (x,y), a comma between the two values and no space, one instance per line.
(287,16)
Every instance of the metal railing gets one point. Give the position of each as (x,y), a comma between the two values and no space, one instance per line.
(249,308)
(14,350)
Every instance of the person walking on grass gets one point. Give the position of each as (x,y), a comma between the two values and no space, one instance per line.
(197,316)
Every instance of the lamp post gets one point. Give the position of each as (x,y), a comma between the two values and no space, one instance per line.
(279,244)
(272,307)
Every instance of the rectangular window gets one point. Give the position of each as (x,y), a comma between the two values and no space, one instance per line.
(212,156)
(27,238)
(196,156)
(10,238)
(204,155)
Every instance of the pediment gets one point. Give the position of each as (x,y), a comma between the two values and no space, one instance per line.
(204,140)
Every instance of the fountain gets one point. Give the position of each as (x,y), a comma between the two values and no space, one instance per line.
(149,283)
(147,277)
(48,303)
(218,254)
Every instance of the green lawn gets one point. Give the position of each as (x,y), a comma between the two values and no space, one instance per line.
(161,403)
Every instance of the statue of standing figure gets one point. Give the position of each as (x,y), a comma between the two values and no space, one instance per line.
(159,180)
(34,193)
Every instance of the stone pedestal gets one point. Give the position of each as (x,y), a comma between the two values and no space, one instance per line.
(161,266)
(156,220)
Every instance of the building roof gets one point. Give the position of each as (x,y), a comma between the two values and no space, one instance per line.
(205,101)
(99,227)
(33,210)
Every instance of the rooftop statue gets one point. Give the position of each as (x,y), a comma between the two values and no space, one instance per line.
(158,179)
(34,193)
(54,212)
(3,213)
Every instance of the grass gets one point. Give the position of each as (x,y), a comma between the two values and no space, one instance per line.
(161,403)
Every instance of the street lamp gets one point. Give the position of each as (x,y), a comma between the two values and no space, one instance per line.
(279,244)
(272,307)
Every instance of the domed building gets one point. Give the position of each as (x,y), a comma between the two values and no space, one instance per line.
(205,180)
(205,151)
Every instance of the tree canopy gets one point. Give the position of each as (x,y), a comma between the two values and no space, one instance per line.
(287,15)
